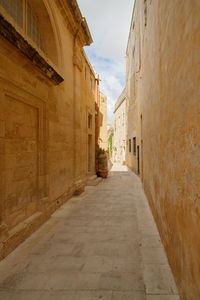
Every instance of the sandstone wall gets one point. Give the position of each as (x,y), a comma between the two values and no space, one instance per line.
(103,139)
(120,135)
(167,123)
(43,125)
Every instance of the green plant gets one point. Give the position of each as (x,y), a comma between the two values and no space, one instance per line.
(102,159)
(110,143)
(101,151)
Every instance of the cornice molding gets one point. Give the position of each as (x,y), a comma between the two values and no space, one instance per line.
(120,100)
(75,21)
(89,64)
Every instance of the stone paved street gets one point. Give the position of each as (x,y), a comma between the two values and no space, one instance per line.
(101,245)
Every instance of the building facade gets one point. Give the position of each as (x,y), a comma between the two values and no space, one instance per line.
(47,113)
(162,81)
(133,65)
(103,140)
(110,137)
(119,145)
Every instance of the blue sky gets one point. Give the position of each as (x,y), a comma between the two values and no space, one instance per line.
(109,23)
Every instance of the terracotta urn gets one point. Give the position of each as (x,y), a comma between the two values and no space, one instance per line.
(103,173)
(102,163)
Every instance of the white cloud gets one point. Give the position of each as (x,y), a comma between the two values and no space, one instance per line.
(109,22)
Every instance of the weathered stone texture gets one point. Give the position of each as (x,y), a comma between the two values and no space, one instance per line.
(43,126)
(21,148)
(120,130)
(92,248)
(165,114)
(103,139)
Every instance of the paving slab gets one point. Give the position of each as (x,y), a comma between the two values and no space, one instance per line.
(129,295)
(159,280)
(95,295)
(103,244)
(162,297)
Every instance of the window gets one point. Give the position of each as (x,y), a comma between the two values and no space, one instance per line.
(89,121)
(33,31)
(91,84)
(133,40)
(22,14)
(130,145)
(145,12)
(15,9)
(134,145)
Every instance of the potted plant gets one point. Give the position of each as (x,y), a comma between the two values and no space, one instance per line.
(102,163)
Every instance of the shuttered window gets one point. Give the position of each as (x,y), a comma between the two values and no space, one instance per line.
(33,31)
(15,9)
(22,14)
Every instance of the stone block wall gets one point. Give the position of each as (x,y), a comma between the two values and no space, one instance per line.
(120,132)
(167,128)
(103,140)
(43,122)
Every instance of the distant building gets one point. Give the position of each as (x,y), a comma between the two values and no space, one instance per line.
(103,140)
(119,146)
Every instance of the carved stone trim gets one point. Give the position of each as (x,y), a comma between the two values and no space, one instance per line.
(17,40)
(77,62)
(3,232)
(75,21)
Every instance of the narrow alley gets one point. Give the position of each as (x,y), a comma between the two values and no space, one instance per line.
(102,244)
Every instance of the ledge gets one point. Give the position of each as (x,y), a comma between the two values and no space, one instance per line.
(17,40)
(120,100)
(81,20)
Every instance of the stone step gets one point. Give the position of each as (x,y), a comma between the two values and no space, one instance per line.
(93,177)
(94,180)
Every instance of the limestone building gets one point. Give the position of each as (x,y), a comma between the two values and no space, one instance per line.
(47,113)
(119,146)
(103,139)
(110,138)
(163,126)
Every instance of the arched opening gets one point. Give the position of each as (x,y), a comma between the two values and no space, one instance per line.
(32,20)
(48,34)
